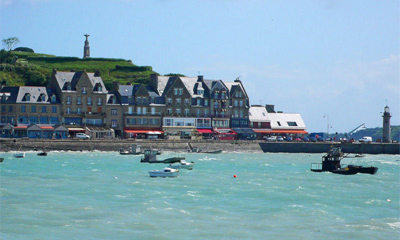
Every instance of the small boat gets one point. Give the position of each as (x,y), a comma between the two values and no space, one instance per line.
(150,157)
(182,164)
(42,154)
(19,155)
(166,172)
(134,150)
(198,150)
(1,160)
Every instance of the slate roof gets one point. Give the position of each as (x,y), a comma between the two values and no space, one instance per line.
(74,77)
(19,95)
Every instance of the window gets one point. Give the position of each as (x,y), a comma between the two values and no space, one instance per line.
(292,124)
(130,99)
(33,109)
(169,101)
(53,98)
(175,91)
(114,112)
(205,102)
(69,87)
(153,111)
(130,110)
(79,110)
(241,103)
(68,110)
(43,109)
(89,101)
(28,97)
(43,98)
(223,95)
(114,123)
(99,88)
(139,110)
(169,122)
(23,108)
(206,112)
(235,103)
(114,100)
(215,104)
(99,101)
(178,111)
(144,110)
(54,109)
(215,95)
(200,91)
(186,101)
(68,99)
(84,90)
(198,101)
(131,121)
(198,112)
(279,124)
(187,111)
(169,111)
(178,101)
(79,100)
(180,90)
(139,101)
(54,120)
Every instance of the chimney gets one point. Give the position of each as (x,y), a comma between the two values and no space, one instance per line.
(3,84)
(54,71)
(200,78)
(115,86)
(237,80)
(270,108)
(154,80)
(97,73)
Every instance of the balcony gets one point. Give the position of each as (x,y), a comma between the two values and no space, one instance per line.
(94,114)
(142,114)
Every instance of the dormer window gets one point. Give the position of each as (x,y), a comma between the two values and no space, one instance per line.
(200,91)
(84,90)
(114,100)
(53,98)
(28,97)
(69,88)
(99,88)
(42,97)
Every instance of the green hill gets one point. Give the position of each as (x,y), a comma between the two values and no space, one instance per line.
(25,68)
(375,133)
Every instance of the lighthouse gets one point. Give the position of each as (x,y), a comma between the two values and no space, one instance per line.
(386,125)
(86,48)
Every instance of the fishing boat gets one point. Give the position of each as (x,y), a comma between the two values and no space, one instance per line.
(150,156)
(43,153)
(1,160)
(331,163)
(166,172)
(182,165)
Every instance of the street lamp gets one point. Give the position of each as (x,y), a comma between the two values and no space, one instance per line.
(327,124)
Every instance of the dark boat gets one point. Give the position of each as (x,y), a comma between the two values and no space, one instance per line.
(331,163)
(42,154)
(150,156)
(1,160)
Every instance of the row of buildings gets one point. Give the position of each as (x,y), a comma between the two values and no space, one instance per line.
(169,106)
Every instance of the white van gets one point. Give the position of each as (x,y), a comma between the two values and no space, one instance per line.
(365,139)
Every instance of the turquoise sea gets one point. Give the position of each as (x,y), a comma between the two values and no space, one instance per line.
(104,195)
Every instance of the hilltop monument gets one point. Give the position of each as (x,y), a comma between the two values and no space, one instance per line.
(86,48)
(386,125)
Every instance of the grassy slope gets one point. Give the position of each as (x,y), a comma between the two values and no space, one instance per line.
(22,68)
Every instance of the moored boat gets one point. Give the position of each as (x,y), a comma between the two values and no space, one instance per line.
(19,155)
(166,172)
(150,156)
(183,164)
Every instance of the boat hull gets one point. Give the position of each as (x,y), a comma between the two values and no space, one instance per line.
(19,155)
(166,172)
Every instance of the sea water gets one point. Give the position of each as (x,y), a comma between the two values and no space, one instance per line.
(104,195)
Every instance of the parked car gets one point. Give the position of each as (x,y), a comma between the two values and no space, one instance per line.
(306,139)
(82,136)
(320,139)
(298,139)
(272,138)
(313,139)
(280,139)
(289,138)
(365,139)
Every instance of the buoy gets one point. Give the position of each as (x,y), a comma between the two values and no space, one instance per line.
(388,200)
(234,176)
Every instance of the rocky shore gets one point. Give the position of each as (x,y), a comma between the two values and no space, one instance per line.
(7,145)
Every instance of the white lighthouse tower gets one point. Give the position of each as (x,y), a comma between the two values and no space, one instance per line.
(386,125)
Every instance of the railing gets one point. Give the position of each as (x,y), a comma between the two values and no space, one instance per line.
(142,114)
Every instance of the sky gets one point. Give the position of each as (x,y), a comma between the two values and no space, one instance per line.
(335,62)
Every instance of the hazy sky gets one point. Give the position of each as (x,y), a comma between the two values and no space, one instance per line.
(314,57)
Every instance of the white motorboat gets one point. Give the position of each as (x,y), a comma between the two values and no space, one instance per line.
(166,172)
(19,155)
(182,164)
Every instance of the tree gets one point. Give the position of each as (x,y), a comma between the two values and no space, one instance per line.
(10,42)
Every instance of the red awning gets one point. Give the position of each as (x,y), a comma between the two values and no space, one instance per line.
(205,130)
(47,127)
(282,131)
(225,131)
(21,127)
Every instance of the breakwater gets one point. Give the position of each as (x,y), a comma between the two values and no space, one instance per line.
(306,147)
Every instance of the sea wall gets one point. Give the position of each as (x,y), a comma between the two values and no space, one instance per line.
(114,145)
(306,147)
